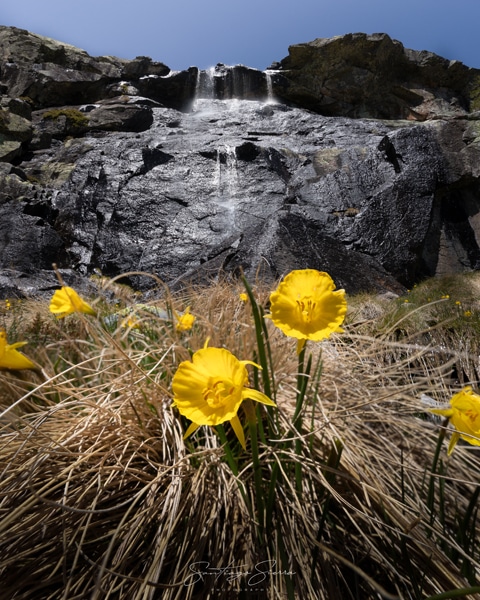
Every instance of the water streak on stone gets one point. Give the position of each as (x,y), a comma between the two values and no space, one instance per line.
(226,181)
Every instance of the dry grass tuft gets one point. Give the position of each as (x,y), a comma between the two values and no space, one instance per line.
(100,497)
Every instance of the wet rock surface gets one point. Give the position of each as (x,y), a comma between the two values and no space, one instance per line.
(185,174)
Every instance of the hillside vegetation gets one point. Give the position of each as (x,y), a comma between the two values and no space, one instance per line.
(344,488)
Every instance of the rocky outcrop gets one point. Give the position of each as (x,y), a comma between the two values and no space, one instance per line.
(51,73)
(185,174)
(360,76)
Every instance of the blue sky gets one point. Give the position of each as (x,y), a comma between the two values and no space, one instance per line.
(183,33)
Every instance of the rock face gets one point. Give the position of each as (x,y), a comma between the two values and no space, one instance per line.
(359,75)
(352,155)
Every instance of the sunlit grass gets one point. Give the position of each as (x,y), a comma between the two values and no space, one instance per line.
(100,496)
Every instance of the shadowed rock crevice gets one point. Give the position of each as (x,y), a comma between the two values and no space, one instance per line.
(153,157)
(453,241)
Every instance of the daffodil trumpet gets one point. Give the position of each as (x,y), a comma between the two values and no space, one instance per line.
(66,301)
(306,306)
(185,320)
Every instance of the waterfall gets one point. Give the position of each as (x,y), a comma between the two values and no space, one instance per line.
(239,83)
(227,185)
(231,175)
(268,79)
(224,82)
(205,86)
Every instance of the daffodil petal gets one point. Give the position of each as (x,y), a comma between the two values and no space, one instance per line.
(250,362)
(11,358)
(238,429)
(444,412)
(17,345)
(453,442)
(257,396)
(191,429)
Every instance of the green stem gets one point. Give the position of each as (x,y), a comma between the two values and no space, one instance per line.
(460,593)
(333,463)
(271,496)
(302,384)
(431,487)
(258,479)
(232,463)
(260,334)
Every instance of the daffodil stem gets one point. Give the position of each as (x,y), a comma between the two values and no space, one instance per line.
(271,496)
(332,465)
(257,470)
(431,487)
(262,342)
(302,383)
(316,380)
(232,463)
(228,451)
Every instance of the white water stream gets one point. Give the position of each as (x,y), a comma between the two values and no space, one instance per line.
(217,89)
(226,182)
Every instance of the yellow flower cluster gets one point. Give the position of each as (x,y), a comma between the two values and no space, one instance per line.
(209,389)
(66,301)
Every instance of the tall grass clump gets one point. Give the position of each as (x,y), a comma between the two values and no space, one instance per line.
(117,481)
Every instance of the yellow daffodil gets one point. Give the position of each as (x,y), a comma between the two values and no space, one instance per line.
(11,358)
(243,297)
(131,322)
(185,321)
(464,415)
(306,307)
(66,301)
(210,388)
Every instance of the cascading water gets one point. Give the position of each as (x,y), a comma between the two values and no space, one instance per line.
(227,185)
(224,82)
(218,90)
(205,87)
(268,79)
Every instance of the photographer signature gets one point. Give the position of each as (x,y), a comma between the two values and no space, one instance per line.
(202,571)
